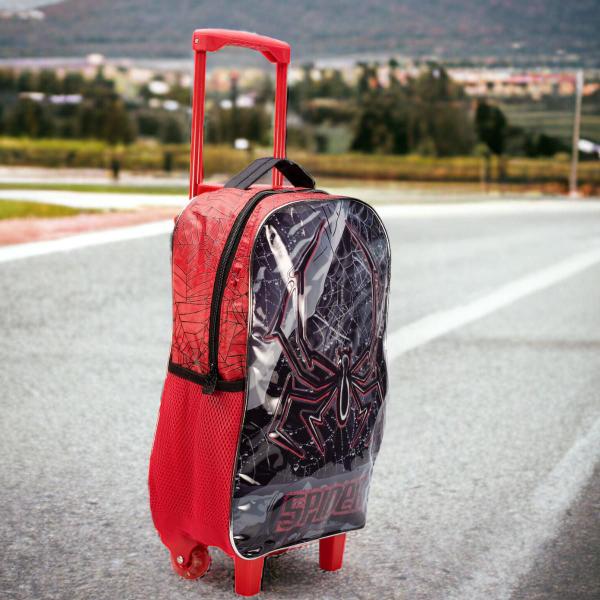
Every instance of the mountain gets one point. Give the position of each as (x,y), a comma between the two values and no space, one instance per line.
(454,29)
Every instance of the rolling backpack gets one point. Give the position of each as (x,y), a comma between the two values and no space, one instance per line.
(272,411)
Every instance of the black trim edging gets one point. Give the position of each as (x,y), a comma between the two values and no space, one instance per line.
(237,385)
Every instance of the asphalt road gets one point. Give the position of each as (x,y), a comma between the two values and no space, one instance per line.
(487,485)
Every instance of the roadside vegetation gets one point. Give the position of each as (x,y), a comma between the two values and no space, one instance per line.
(422,128)
(18,209)
(110,187)
(224,160)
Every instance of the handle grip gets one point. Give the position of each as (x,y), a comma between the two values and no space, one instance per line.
(211,40)
(294,173)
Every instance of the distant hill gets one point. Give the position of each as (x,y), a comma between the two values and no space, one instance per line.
(316,28)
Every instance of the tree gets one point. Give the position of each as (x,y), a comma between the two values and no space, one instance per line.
(86,118)
(7,81)
(26,82)
(429,116)
(29,118)
(367,80)
(492,130)
(115,124)
(172,132)
(106,118)
(148,123)
(439,119)
(491,126)
(302,90)
(332,85)
(48,82)
(73,83)
(548,145)
(382,124)
(393,72)
(266,91)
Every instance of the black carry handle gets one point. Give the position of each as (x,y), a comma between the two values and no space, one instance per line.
(292,171)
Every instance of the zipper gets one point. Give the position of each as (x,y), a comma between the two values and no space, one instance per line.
(233,240)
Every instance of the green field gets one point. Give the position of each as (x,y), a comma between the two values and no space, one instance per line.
(141,156)
(557,123)
(114,188)
(222,160)
(19,209)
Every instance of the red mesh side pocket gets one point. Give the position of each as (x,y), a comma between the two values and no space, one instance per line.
(192,461)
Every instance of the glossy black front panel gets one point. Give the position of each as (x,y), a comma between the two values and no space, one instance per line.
(316,378)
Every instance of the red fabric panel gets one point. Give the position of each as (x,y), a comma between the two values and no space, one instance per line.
(198,242)
(192,462)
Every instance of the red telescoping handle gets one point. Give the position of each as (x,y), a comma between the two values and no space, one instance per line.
(211,40)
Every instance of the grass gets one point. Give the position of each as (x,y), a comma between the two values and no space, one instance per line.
(436,187)
(141,156)
(19,209)
(150,157)
(557,122)
(98,187)
(452,169)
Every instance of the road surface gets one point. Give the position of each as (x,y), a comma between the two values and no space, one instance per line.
(487,484)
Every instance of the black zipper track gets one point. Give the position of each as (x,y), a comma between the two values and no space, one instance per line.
(211,380)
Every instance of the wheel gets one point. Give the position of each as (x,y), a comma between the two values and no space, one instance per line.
(198,565)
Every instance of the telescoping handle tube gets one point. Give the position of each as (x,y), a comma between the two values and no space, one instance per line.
(211,40)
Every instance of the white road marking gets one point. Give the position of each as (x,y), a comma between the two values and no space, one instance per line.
(107,236)
(385,203)
(99,200)
(512,554)
(83,240)
(440,323)
(484,208)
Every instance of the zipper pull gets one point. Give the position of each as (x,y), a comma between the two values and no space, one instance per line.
(209,385)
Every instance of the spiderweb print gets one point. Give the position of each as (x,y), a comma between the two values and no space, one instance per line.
(316,367)
(198,240)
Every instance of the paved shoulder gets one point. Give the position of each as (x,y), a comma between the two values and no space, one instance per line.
(568,567)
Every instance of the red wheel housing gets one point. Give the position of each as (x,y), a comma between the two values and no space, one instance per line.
(198,565)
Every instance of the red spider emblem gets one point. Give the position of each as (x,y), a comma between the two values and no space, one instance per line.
(317,386)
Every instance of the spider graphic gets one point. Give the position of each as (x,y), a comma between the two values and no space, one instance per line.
(317,385)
